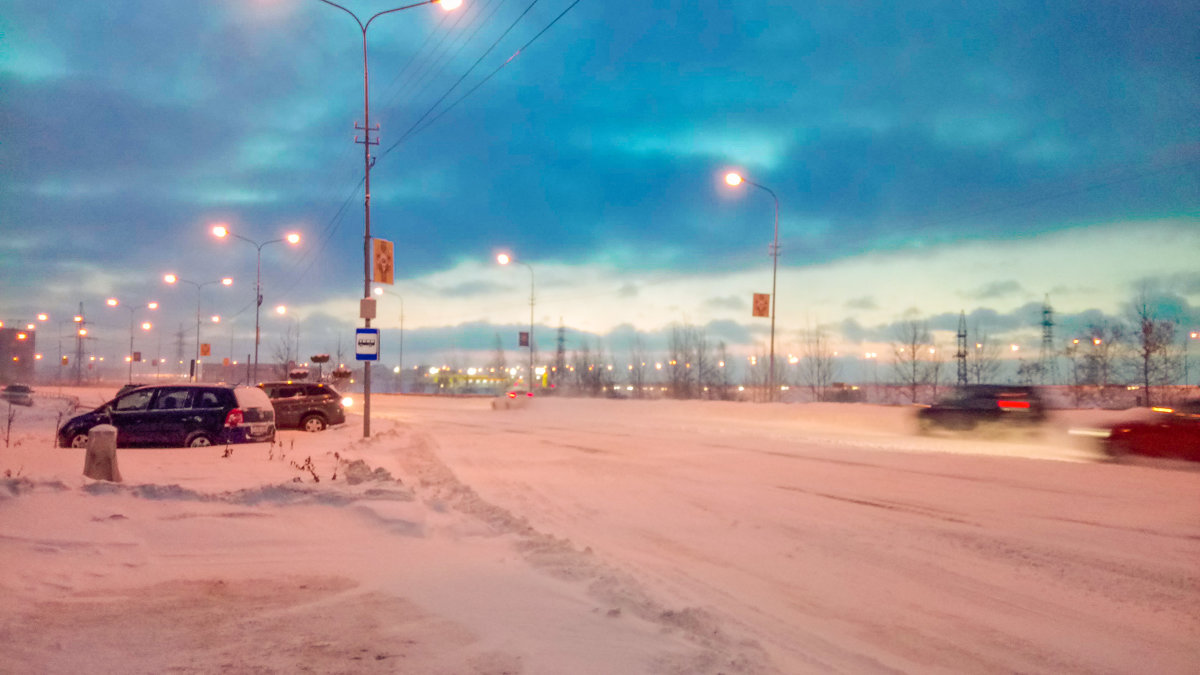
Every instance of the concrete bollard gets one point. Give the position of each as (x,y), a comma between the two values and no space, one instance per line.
(101,460)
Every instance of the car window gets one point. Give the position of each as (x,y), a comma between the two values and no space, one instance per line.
(172,399)
(251,397)
(138,400)
(318,390)
(207,398)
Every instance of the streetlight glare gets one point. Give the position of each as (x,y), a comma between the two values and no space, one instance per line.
(450,5)
(220,231)
(293,238)
(227,281)
(216,318)
(733,178)
(152,305)
(45,317)
(503,259)
(170,278)
(281,310)
(146,325)
(111,302)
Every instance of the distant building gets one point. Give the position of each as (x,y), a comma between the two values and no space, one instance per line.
(17,355)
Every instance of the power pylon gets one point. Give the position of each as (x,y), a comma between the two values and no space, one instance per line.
(961,354)
(1047,360)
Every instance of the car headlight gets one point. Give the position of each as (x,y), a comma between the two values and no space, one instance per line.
(347,402)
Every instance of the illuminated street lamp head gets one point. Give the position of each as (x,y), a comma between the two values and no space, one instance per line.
(378,291)
(45,317)
(450,5)
(733,178)
(227,281)
(146,325)
(281,310)
(216,318)
(220,231)
(503,259)
(293,238)
(111,302)
(152,305)
(170,278)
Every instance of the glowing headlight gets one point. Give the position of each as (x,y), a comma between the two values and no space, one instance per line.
(347,402)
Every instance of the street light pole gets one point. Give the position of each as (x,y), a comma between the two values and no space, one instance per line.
(735,179)
(400,365)
(172,279)
(505,259)
(112,302)
(367,143)
(222,231)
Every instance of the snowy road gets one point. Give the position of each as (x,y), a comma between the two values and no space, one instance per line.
(829,539)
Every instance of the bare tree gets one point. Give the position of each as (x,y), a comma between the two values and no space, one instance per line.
(909,350)
(1154,358)
(722,381)
(936,368)
(757,379)
(1101,360)
(285,355)
(983,358)
(638,367)
(818,369)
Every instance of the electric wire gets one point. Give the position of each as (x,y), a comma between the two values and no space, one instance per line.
(464,76)
(485,79)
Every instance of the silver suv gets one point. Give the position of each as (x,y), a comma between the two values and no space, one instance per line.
(309,406)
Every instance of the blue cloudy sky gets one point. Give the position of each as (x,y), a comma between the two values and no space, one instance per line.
(929,158)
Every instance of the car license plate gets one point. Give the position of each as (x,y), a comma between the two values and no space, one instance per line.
(258,429)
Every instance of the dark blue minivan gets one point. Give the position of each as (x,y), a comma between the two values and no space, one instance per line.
(179,415)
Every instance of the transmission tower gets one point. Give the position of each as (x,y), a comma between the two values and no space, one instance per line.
(961,354)
(560,358)
(1048,362)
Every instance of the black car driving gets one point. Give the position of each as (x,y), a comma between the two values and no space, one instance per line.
(982,405)
(178,415)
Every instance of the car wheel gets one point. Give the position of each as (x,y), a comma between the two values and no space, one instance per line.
(1117,450)
(79,440)
(197,439)
(313,423)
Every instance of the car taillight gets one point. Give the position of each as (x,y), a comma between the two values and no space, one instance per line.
(235,417)
(512,394)
(1014,405)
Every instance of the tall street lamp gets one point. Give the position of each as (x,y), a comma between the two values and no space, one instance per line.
(400,365)
(367,143)
(172,279)
(222,231)
(734,180)
(146,326)
(505,259)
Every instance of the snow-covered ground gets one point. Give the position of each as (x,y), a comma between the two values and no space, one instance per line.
(597,536)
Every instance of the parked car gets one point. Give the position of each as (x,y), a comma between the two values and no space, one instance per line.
(1169,433)
(310,406)
(174,415)
(18,394)
(126,387)
(986,404)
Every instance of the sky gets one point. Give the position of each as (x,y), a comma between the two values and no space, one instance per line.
(929,159)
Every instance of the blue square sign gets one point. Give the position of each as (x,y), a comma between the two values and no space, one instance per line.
(366,344)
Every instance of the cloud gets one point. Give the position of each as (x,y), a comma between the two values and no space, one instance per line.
(995,289)
(733,303)
(863,302)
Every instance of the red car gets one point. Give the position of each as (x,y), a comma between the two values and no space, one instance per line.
(1170,433)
